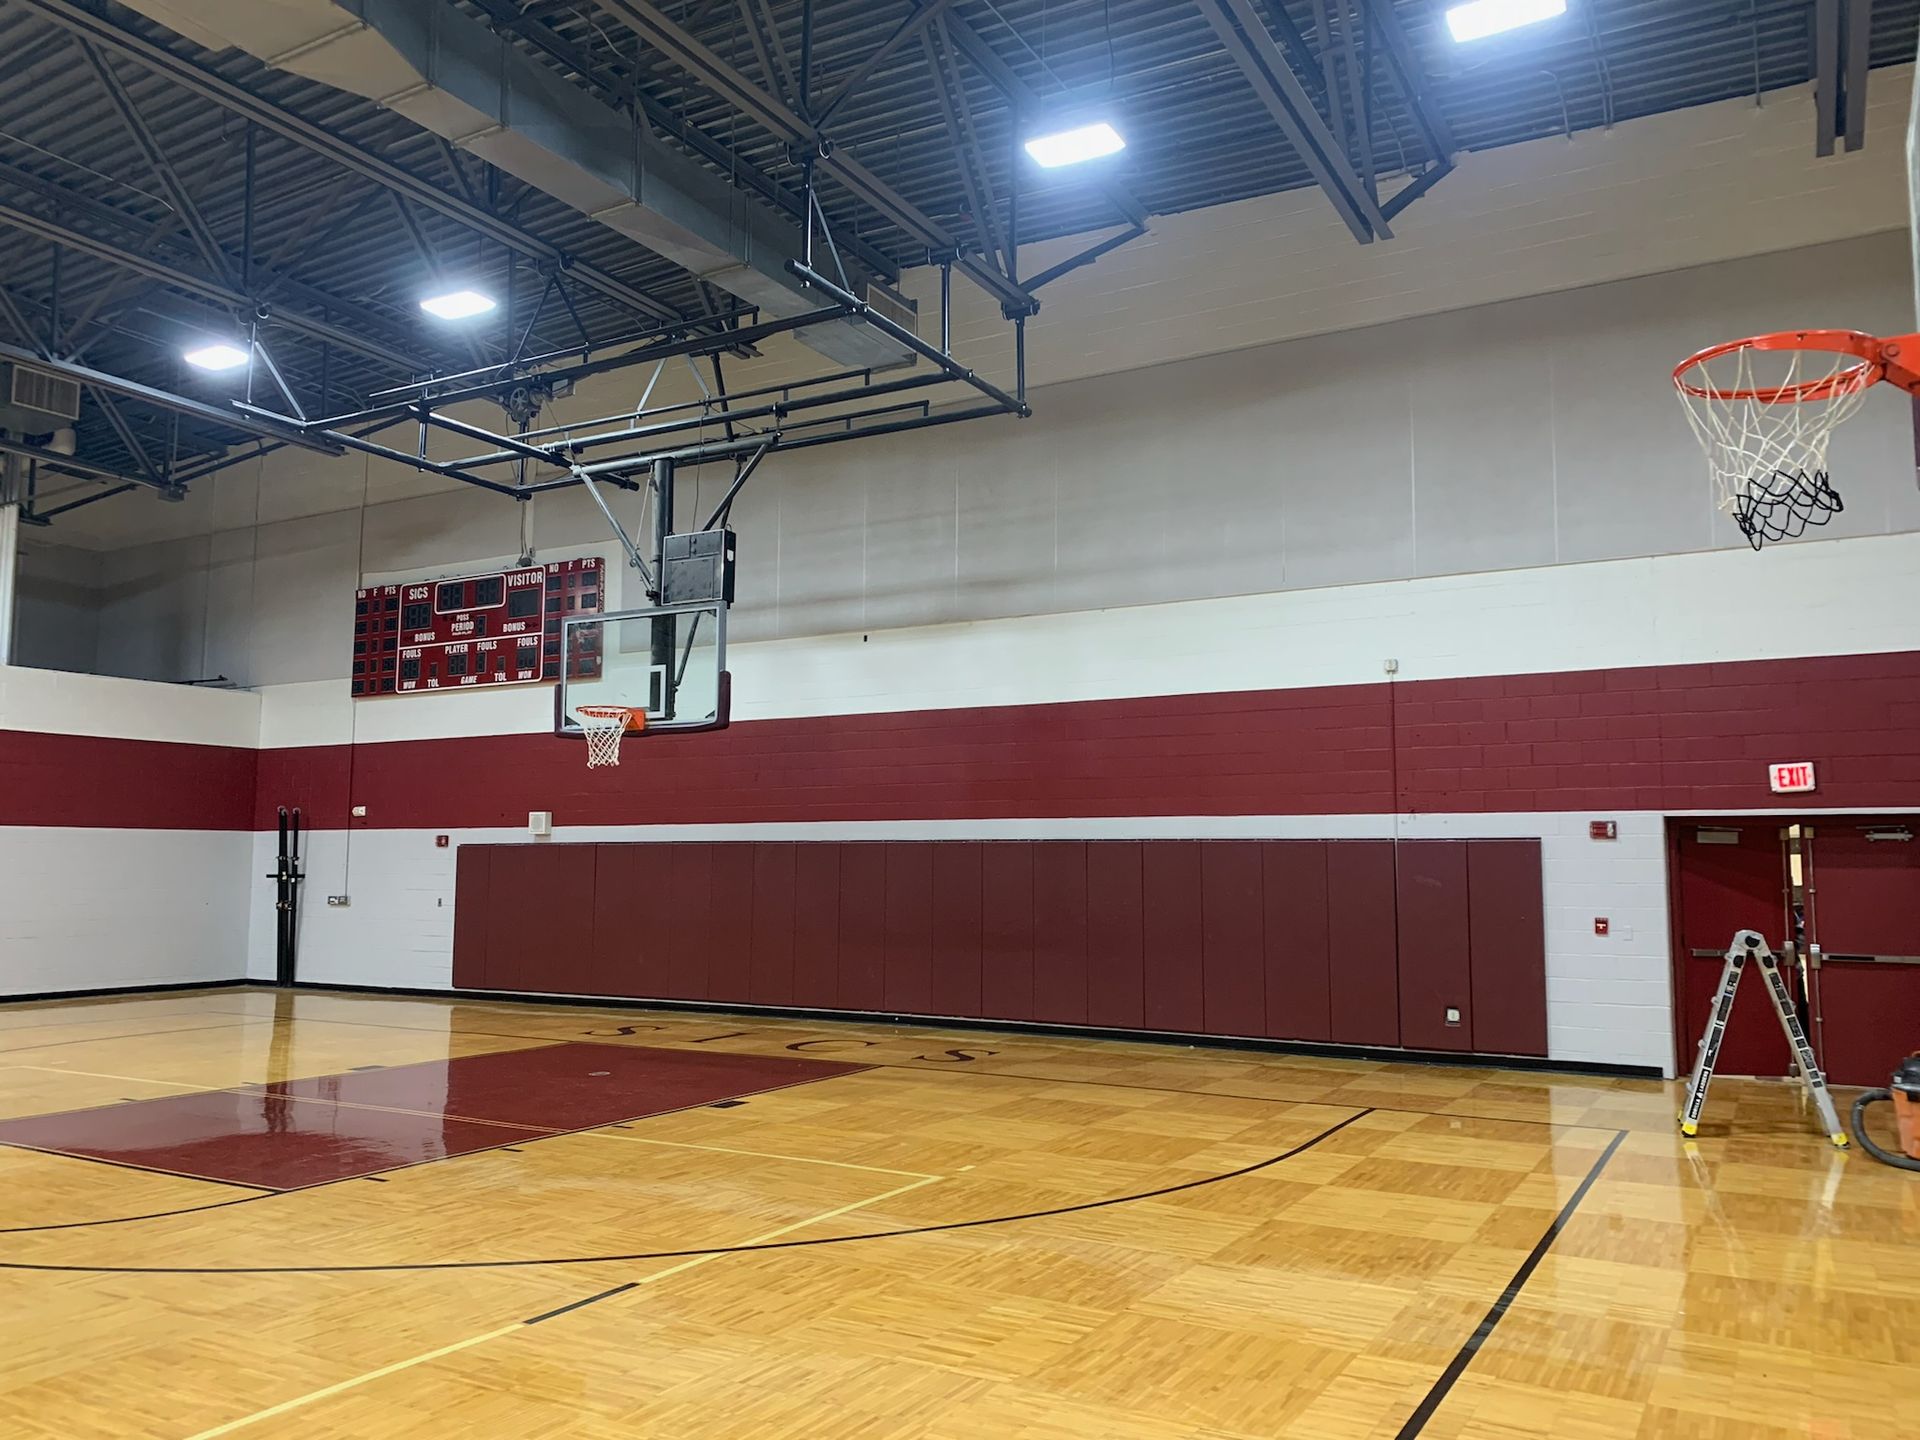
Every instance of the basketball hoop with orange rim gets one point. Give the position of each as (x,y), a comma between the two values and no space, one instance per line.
(604,726)
(1765,409)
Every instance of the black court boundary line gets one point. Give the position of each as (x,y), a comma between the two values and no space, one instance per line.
(582,1304)
(1424,1411)
(267,1192)
(1462,1059)
(935,1229)
(930,1068)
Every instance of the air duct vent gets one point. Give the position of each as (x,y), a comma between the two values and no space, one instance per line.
(52,395)
(892,304)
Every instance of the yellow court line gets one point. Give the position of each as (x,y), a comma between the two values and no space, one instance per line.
(331,1390)
(284,1406)
(102,1075)
(764,1155)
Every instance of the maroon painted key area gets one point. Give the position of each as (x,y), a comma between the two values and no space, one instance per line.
(296,1133)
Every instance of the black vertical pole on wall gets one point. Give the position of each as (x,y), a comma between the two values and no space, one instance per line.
(286,896)
(280,912)
(294,877)
(664,631)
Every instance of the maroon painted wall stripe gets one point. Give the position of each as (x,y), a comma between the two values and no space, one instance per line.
(1648,738)
(101,783)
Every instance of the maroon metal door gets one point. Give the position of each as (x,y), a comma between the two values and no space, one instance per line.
(1865,916)
(1731,876)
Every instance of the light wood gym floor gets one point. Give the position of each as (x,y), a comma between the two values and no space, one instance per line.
(1242,1245)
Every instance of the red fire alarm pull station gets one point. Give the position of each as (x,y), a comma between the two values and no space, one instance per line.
(1603,830)
(1601,925)
(1795,777)
(440,842)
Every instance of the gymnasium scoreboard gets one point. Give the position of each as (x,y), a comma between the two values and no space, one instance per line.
(470,630)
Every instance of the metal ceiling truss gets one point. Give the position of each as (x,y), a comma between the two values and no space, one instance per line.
(1842,36)
(783,422)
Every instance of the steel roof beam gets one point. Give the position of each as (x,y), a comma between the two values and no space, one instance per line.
(1024,97)
(70,15)
(966,143)
(863,72)
(1253,50)
(663,119)
(653,26)
(169,178)
(168,400)
(1412,78)
(208,289)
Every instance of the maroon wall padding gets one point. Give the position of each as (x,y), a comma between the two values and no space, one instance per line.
(1170,927)
(541,904)
(1435,953)
(816,926)
(1507,924)
(472,878)
(1233,935)
(908,957)
(957,931)
(1060,932)
(1281,938)
(770,972)
(730,923)
(684,881)
(628,957)
(1298,983)
(1006,929)
(863,927)
(1116,995)
(1364,993)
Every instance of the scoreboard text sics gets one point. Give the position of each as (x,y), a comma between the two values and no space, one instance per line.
(498,629)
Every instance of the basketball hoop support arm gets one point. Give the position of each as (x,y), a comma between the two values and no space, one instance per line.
(634,557)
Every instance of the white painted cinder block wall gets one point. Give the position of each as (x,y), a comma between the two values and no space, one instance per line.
(85,908)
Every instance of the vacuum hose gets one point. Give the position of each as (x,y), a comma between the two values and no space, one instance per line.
(1885,1157)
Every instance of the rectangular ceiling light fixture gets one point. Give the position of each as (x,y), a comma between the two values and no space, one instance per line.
(1478,19)
(1070,147)
(458,305)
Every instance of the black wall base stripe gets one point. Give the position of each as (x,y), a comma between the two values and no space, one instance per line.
(1417,1421)
(39,995)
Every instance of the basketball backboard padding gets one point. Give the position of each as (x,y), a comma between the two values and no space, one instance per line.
(665,661)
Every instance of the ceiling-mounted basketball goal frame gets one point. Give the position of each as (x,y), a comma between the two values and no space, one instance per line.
(1765,408)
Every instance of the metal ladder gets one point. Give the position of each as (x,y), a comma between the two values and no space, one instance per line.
(1748,945)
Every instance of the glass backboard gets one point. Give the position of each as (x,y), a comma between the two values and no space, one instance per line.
(668,661)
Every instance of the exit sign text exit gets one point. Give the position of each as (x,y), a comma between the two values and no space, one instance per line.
(1792,778)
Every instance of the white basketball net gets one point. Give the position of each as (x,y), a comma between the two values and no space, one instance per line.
(1768,453)
(603,725)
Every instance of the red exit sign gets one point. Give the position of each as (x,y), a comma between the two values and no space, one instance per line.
(1792,778)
